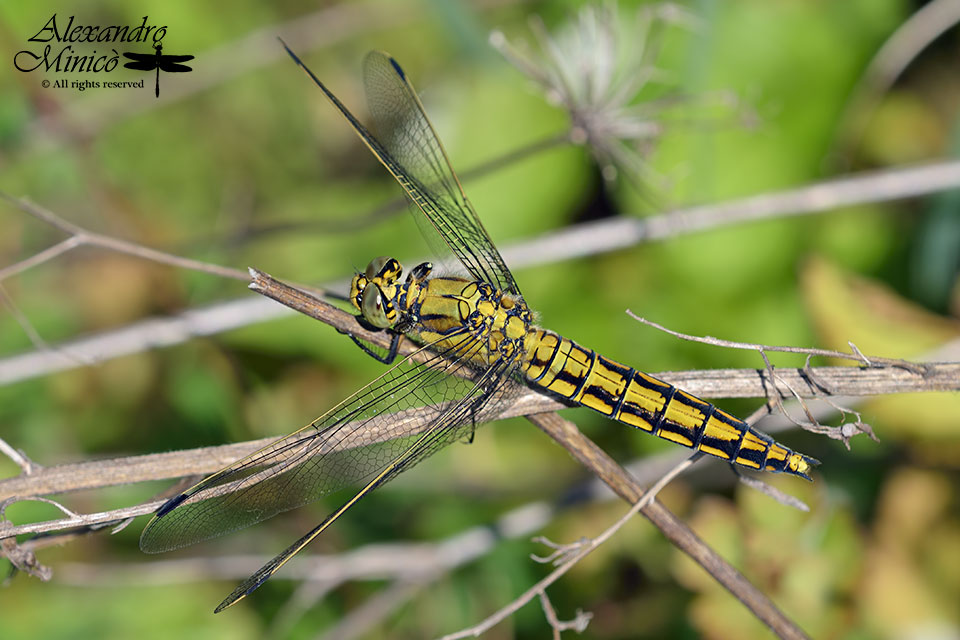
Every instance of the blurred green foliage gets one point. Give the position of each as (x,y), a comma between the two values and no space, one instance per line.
(203,175)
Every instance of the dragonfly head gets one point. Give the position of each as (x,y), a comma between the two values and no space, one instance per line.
(373,292)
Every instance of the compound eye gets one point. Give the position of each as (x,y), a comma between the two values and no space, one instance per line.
(357,287)
(375,266)
(373,307)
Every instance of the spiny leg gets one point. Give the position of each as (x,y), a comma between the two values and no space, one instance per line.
(387,358)
(489,388)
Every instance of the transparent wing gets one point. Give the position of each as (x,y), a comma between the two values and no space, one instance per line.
(354,442)
(455,422)
(409,148)
(402,126)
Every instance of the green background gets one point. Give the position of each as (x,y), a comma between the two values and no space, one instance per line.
(252,145)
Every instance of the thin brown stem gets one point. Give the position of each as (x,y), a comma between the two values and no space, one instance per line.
(81,237)
(40,257)
(855,354)
(815,382)
(577,241)
(713,383)
(26,465)
(578,624)
(80,520)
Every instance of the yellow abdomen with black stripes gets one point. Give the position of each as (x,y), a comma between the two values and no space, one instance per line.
(582,376)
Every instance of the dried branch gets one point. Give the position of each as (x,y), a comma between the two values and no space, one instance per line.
(96,474)
(82,237)
(24,560)
(152,333)
(578,624)
(619,233)
(580,240)
(396,560)
(817,382)
(855,354)
(26,465)
(99,519)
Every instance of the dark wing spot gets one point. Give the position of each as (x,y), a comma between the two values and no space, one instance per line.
(396,67)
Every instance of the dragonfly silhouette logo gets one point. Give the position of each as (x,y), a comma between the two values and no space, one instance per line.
(158,61)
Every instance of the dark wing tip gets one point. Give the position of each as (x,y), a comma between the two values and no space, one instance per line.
(170,505)
(148,541)
(289,51)
(396,67)
(223,605)
(250,585)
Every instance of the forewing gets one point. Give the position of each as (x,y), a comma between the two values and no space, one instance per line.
(402,126)
(412,153)
(486,391)
(353,442)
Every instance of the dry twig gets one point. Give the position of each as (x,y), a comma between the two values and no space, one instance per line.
(80,237)
(708,384)
(581,240)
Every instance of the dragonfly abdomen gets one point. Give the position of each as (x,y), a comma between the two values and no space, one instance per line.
(582,376)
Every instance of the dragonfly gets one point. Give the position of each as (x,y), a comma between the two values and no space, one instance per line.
(476,344)
(159,61)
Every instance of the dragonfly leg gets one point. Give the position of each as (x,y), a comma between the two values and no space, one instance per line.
(387,358)
(473,419)
(488,392)
(467,438)
(391,354)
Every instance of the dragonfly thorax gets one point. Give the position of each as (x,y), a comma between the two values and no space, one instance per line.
(441,310)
